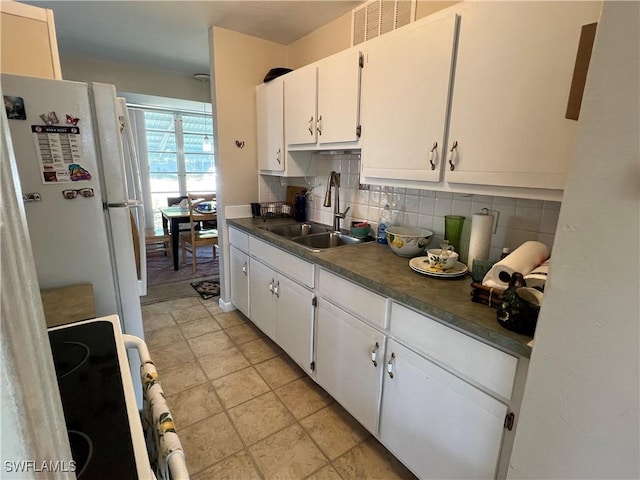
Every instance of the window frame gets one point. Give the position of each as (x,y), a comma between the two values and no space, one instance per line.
(180,154)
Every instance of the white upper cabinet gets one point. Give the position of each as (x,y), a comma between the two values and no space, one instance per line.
(270,104)
(300,106)
(405,94)
(273,156)
(339,98)
(322,103)
(28,43)
(513,75)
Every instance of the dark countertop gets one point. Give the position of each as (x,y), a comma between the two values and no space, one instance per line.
(377,268)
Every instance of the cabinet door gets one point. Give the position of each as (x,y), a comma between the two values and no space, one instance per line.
(239,270)
(405,89)
(339,98)
(513,75)
(28,44)
(270,112)
(294,321)
(262,300)
(437,424)
(344,365)
(300,106)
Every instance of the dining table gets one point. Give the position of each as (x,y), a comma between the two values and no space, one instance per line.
(175,215)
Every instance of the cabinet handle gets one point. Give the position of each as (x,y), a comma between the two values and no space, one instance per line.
(278,156)
(271,286)
(244,269)
(390,365)
(319,125)
(276,289)
(432,155)
(452,167)
(311,125)
(374,354)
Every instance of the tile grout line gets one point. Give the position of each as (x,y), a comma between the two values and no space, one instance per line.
(225,410)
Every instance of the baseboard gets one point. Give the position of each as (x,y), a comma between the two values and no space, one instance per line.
(226,306)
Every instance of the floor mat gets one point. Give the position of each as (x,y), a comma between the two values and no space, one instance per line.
(207,288)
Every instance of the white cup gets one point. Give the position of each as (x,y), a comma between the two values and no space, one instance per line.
(441,259)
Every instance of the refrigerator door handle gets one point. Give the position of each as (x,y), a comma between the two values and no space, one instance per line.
(128,203)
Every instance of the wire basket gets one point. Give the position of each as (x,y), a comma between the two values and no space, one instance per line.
(275,210)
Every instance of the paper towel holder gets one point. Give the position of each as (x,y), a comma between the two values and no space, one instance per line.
(496,213)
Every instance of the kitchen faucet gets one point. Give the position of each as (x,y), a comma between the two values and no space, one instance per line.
(334,181)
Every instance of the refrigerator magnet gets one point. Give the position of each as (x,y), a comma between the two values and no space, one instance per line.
(71,120)
(76,173)
(14,107)
(49,118)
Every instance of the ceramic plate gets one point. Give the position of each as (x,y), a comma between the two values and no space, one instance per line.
(421,265)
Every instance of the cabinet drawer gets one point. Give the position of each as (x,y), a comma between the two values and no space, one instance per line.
(471,358)
(290,265)
(239,239)
(353,298)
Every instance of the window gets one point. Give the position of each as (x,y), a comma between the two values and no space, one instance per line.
(177,162)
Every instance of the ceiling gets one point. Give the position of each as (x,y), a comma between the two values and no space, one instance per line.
(173,35)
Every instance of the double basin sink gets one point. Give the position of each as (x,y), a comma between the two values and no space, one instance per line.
(313,236)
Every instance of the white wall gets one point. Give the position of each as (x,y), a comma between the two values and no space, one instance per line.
(579,416)
(239,62)
(135,79)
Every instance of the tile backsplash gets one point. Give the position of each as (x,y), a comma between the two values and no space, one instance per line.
(518,219)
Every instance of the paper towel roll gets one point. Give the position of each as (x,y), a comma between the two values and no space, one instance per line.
(523,260)
(537,278)
(480,239)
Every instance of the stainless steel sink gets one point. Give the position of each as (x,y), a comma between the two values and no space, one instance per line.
(321,241)
(298,229)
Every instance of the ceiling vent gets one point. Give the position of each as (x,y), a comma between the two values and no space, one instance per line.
(377,17)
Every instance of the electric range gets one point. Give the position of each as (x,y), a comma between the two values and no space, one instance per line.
(98,400)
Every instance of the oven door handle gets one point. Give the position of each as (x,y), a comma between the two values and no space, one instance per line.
(175,460)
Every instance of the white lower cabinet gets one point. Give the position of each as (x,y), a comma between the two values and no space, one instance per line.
(262,299)
(349,360)
(435,423)
(283,310)
(294,321)
(239,270)
(438,404)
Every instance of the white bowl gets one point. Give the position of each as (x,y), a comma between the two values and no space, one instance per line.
(408,241)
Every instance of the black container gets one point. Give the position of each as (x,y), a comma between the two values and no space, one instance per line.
(300,208)
(255,209)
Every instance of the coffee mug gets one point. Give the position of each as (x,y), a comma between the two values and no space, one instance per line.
(441,259)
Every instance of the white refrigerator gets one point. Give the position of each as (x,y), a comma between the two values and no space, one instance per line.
(81,188)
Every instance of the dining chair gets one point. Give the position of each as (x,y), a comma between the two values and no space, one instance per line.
(199,212)
(158,240)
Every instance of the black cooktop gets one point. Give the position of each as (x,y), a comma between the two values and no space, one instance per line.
(88,371)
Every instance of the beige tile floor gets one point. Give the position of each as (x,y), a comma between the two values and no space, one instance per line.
(244,410)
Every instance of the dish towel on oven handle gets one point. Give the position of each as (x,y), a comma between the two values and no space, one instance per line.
(160,432)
